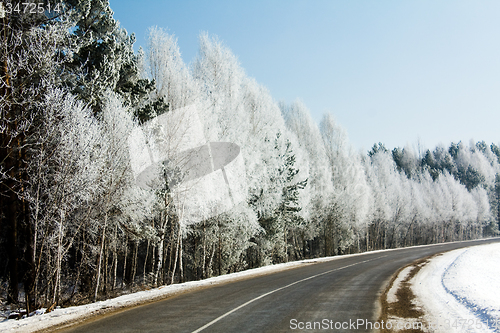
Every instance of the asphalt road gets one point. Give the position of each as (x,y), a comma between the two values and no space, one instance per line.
(343,292)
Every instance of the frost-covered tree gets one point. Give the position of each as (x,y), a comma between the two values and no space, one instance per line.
(220,78)
(320,187)
(395,189)
(34,47)
(64,179)
(174,85)
(239,110)
(350,201)
(406,161)
(121,204)
(287,185)
(105,59)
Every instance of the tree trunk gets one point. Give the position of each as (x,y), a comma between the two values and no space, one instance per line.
(204,252)
(57,284)
(160,246)
(99,262)
(134,264)
(125,262)
(115,258)
(285,241)
(29,280)
(367,237)
(159,266)
(145,264)
(181,267)
(220,251)
(209,266)
(10,213)
(176,256)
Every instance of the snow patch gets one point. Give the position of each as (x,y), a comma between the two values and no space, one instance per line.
(391,294)
(460,290)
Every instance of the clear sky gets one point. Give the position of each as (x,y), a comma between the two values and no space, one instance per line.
(395,72)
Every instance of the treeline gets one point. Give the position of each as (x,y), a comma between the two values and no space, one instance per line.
(75,227)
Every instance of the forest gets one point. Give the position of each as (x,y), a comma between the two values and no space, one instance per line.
(75,226)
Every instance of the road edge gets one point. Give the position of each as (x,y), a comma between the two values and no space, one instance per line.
(95,311)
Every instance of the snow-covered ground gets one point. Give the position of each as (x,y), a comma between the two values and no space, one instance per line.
(459,291)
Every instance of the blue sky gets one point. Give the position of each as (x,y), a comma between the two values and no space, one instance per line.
(395,72)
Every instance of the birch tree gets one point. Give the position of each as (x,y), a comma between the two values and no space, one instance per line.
(64,182)
(320,186)
(120,203)
(349,203)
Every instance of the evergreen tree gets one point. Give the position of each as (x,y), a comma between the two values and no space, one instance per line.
(105,59)
(284,217)
(496,150)
(497,201)
(380,147)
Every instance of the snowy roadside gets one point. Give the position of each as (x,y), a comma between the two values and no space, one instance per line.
(61,317)
(459,291)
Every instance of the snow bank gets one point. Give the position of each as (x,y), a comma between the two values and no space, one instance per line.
(460,290)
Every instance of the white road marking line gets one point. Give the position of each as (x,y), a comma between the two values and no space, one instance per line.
(275,290)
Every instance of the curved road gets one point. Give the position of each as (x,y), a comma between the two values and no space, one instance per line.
(345,290)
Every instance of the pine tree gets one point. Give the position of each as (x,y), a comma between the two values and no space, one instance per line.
(105,59)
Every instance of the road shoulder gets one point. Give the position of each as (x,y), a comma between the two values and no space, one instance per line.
(400,311)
